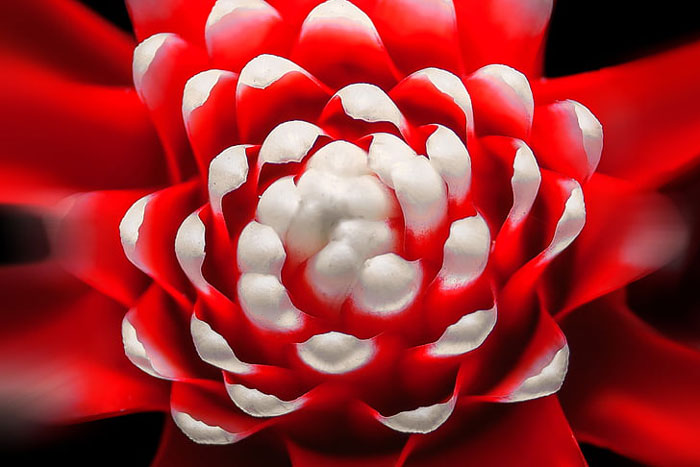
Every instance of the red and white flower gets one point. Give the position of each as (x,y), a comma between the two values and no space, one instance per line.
(375,218)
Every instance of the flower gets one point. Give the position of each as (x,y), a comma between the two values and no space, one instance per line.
(370,228)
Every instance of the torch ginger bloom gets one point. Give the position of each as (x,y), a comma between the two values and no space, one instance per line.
(360,231)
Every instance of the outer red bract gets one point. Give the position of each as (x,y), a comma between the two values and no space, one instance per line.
(341,232)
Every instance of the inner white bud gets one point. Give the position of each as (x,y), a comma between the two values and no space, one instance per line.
(260,250)
(387,284)
(278,205)
(340,158)
(421,193)
(335,352)
(265,302)
(385,151)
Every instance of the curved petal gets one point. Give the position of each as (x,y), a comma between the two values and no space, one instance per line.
(162,65)
(54,370)
(68,136)
(630,389)
(649,112)
(479,435)
(339,44)
(68,38)
(88,247)
(629,233)
(510,32)
(183,17)
(176,450)
(419,33)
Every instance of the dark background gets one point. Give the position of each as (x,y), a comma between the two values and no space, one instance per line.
(584,35)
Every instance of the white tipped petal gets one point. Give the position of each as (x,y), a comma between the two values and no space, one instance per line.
(450,158)
(213,348)
(227,172)
(264,70)
(525,182)
(265,301)
(134,349)
(516,86)
(260,250)
(190,244)
(421,194)
(367,102)
(387,284)
(198,89)
(289,142)
(450,85)
(278,205)
(385,151)
(145,53)
(570,223)
(129,230)
(200,432)
(258,404)
(465,335)
(335,352)
(592,132)
(421,420)
(233,8)
(545,382)
(338,11)
(466,252)
(340,158)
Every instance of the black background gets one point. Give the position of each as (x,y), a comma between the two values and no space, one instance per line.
(584,35)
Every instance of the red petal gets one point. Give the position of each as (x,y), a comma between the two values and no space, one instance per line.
(419,34)
(209,113)
(183,17)
(66,37)
(649,112)
(533,433)
(628,234)
(630,389)
(89,247)
(236,33)
(62,134)
(162,65)
(161,327)
(305,457)
(339,44)
(176,450)
(64,358)
(510,32)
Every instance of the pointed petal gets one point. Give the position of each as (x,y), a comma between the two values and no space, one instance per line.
(510,32)
(479,435)
(630,389)
(183,17)
(68,38)
(629,233)
(162,65)
(58,372)
(67,136)
(338,25)
(419,33)
(648,109)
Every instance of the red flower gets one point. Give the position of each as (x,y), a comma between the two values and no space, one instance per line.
(355,235)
